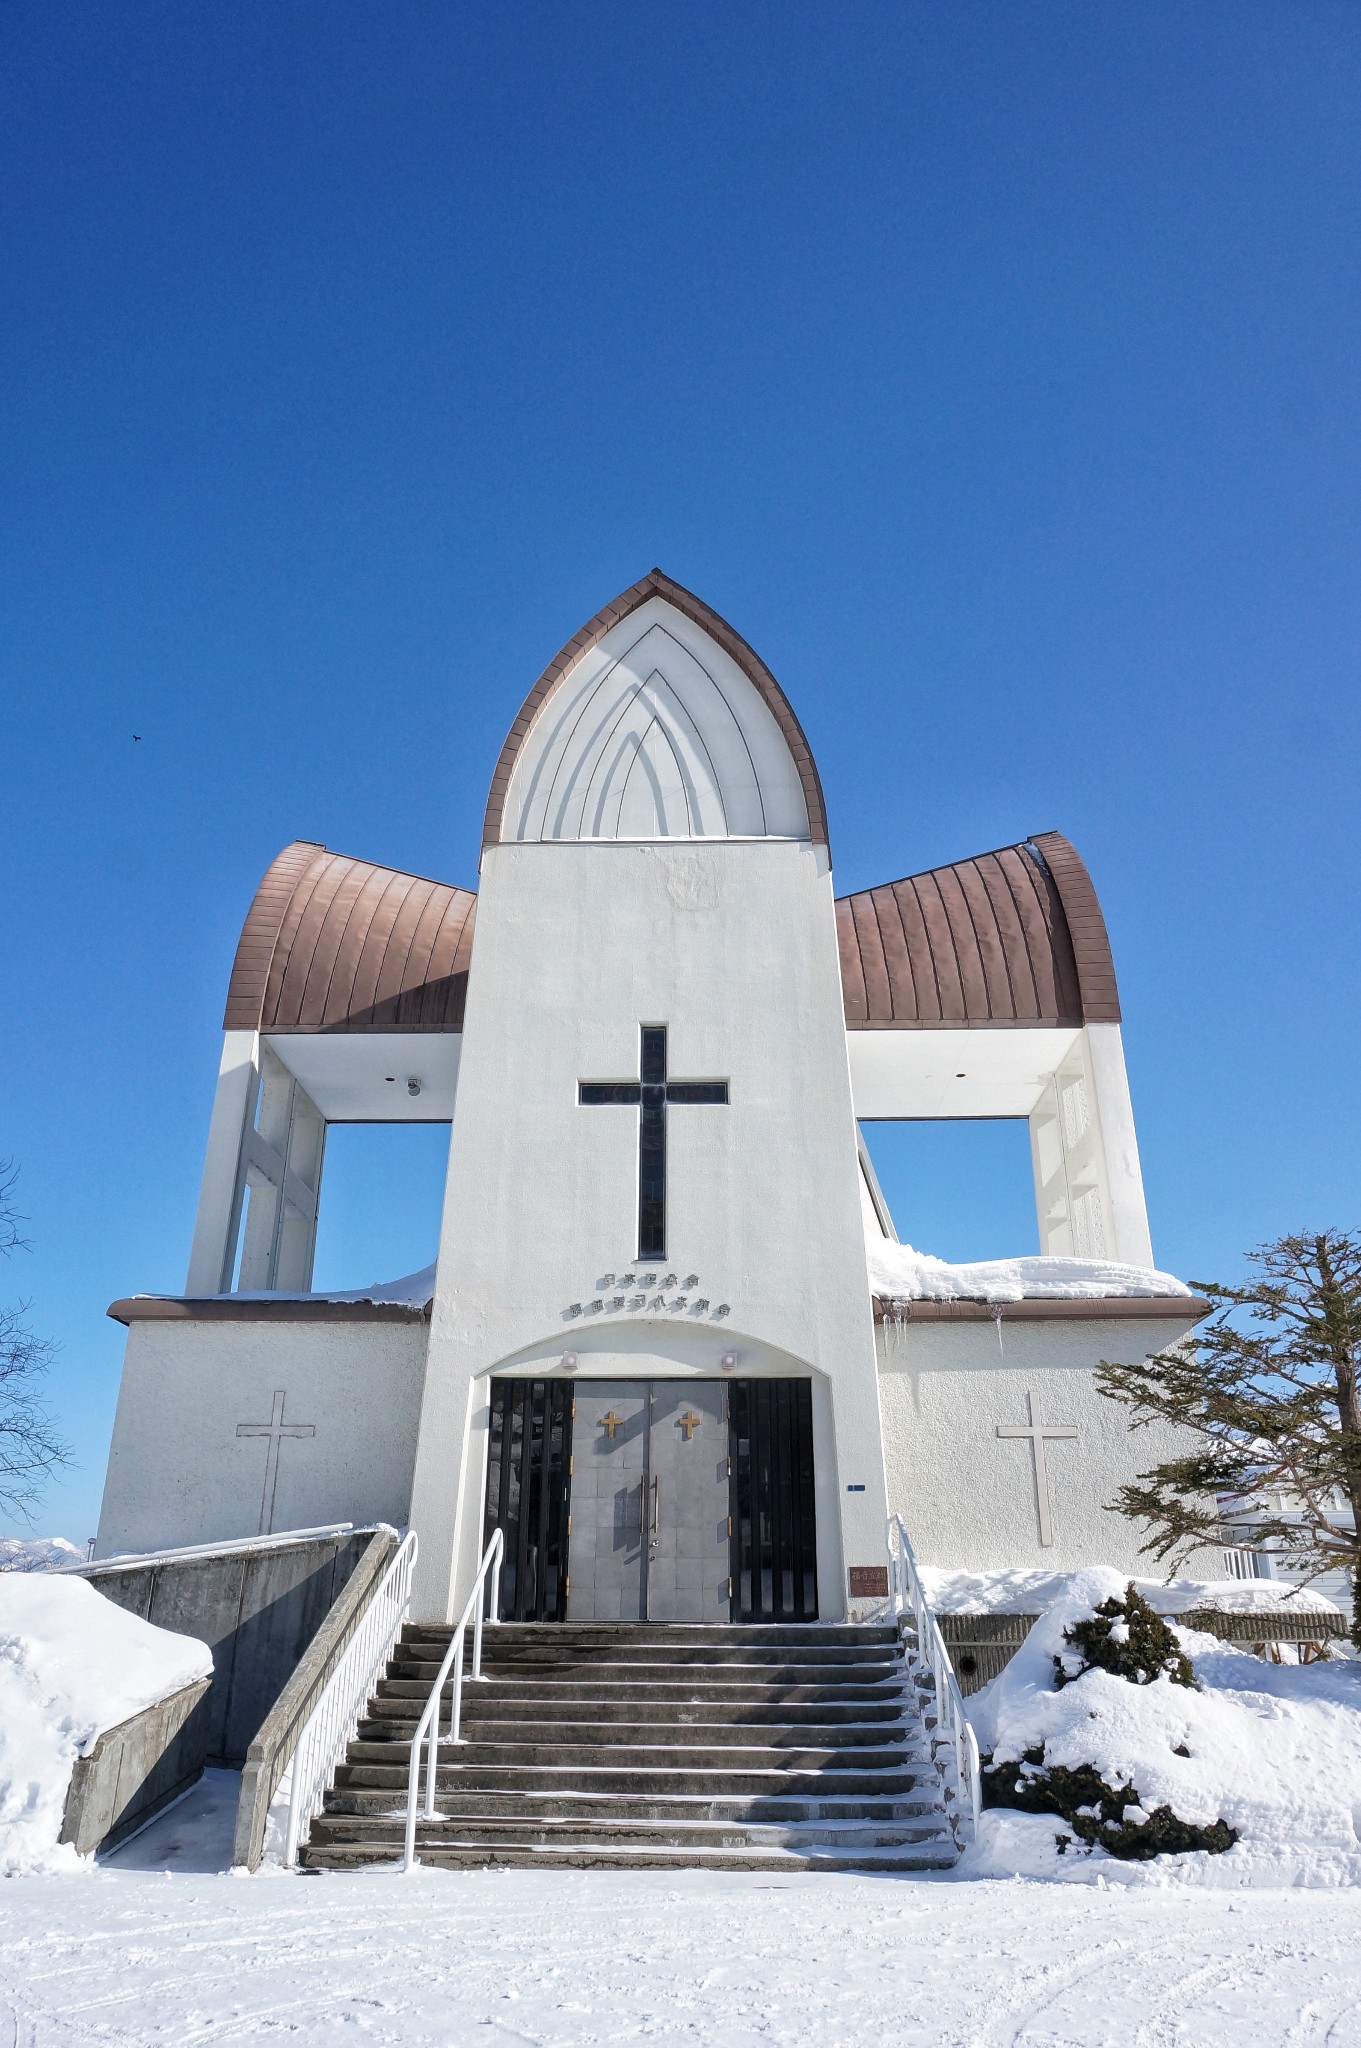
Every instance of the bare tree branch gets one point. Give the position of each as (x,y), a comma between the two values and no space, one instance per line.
(30,1446)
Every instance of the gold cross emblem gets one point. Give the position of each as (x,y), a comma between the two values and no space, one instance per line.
(690,1422)
(609,1423)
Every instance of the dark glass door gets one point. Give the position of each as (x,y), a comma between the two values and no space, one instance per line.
(528,1471)
(774,1530)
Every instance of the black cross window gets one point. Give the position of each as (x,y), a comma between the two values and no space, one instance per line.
(649,1095)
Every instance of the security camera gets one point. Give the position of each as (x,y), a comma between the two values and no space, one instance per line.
(413,1086)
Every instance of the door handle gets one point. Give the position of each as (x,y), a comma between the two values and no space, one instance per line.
(656,1506)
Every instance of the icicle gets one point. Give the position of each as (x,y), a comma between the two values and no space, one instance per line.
(997,1319)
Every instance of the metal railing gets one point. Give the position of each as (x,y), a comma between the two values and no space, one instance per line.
(930,1662)
(327,1732)
(427,1728)
(1240,1562)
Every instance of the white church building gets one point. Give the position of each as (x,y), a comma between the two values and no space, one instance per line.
(670,1346)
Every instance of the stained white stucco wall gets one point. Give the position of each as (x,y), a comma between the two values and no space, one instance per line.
(179,1473)
(968,1496)
(733,947)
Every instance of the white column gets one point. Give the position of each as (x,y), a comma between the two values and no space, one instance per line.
(219,1203)
(1115,1113)
(1089,1192)
(281,1159)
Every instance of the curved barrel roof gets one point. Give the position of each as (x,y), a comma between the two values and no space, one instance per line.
(335,944)
(1010,937)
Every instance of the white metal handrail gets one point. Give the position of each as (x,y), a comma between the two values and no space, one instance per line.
(328,1729)
(428,1725)
(931,1660)
(1240,1562)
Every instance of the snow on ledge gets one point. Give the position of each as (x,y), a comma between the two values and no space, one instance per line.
(413,1290)
(1033,1592)
(898,1273)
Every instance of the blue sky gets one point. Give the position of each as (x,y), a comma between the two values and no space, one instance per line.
(992,367)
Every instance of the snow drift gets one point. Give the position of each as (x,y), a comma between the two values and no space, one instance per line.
(1273,1750)
(71,1665)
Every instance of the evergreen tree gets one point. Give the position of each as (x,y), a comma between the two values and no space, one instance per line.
(1269,1386)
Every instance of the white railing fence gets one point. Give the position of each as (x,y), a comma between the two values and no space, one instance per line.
(1242,1563)
(427,1728)
(931,1667)
(328,1730)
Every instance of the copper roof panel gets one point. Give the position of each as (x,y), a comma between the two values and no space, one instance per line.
(1011,937)
(335,944)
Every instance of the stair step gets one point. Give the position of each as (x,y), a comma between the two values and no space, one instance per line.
(932,1855)
(674,1755)
(806,1634)
(500,1656)
(528,1694)
(725,1784)
(623,1833)
(533,1802)
(484,1705)
(480,1733)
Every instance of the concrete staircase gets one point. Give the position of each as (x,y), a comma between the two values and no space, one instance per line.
(646,1745)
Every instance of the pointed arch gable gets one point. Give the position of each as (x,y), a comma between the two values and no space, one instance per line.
(680,733)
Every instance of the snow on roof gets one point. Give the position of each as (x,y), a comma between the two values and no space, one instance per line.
(898,1273)
(416,1290)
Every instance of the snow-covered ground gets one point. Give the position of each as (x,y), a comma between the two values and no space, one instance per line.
(161,1944)
(156,1949)
(71,1665)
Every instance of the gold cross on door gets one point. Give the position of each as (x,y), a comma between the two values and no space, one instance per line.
(689,1422)
(609,1423)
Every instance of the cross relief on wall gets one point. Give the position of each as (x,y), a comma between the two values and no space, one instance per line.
(1038,1433)
(276,1429)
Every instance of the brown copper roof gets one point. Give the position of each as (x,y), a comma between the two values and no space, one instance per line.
(334,944)
(655,584)
(1011,937)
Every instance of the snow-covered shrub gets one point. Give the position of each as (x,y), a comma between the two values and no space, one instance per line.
(1106,1647)
(1125,1637)
(1272,1750)
(1109,1817)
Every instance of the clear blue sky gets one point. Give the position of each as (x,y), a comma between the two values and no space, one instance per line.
(993,367)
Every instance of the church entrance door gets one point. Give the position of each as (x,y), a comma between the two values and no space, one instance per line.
(649,1515)
(654,1500)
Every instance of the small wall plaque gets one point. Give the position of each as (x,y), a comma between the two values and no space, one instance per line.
(867,1581)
